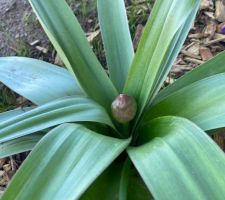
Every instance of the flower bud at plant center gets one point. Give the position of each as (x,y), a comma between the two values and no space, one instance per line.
(124,108)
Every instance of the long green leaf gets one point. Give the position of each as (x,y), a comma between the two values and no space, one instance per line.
(175,47)
(202,102)
(107,185)
(117,40)
(161,41)
(210,68)
(19,145)
(70,109)
(36,80)
(113,183)
(63,165)
(13,113)
(69,40)
(180,161)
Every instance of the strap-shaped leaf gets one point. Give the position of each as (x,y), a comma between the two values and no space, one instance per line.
(63,165)
(70,109)
(175,47)
(161,41)
(119,181)
(107,185)
(212,67)
(202,102)
(36,80)
(13,113)
(69,40)
(116,38)
(180,161)
(19,145)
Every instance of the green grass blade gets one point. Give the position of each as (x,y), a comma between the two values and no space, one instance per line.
(159,42)
(70,109)
(63,164)
(180,161)
(212,67)
(117,39)
(69,40)
(202,102)
(36,80)
(19,145)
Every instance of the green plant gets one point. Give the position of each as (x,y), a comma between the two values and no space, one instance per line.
(7,99)
(138,12)
(21,48)
(166,140)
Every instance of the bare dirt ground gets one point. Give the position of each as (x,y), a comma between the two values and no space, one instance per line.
(18,28)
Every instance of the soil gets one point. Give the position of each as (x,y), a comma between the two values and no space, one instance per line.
(18,28)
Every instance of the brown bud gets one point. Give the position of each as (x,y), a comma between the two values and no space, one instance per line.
(124,108)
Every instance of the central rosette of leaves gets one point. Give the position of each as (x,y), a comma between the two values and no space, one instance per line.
(124,108)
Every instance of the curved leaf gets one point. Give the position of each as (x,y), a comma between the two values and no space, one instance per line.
(69,40)
(13,113)
(116,39)
(63,164)
(114,181)
(106,186)
(175,47)
(212,67)
(180,161)
(69,109)
(202,102)
(19,145)
(161,41)
(36,80)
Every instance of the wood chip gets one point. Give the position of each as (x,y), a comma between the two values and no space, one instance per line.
(205,53)
(58,60)
(219,36)
(3,181)
(214,41)
(197,35)
(42,49)
(2,162)
(7,167)
(170,80)
(194,49)
(180,68)
(1,173)
(137,36)
(205,4)
(189,45)
(193,60)
(220,10)
(13,163)
(190,54)
(210,30)
(92,35)
(210,14)
(34,42)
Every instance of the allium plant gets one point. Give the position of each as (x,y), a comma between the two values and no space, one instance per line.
(121,136)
